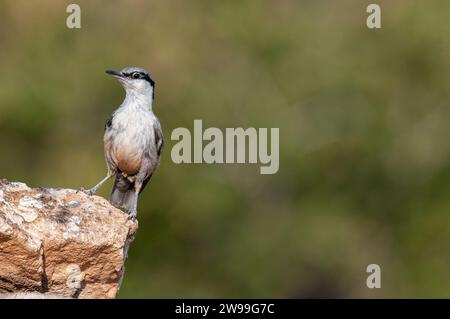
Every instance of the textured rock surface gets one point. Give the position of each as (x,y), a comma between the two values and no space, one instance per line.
(60,242)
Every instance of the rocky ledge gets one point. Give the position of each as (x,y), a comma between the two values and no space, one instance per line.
(60,243)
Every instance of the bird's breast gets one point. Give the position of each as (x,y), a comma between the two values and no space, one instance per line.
(129,140)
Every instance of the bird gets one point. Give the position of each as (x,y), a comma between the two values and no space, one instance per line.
(133,140)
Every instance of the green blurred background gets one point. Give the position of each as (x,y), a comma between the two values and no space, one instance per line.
(363,115)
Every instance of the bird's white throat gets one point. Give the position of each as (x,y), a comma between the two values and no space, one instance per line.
(138,100)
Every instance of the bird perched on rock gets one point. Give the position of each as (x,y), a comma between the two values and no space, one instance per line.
(133,140)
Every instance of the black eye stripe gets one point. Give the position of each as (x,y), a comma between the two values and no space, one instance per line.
(142,76)
(149,79)
(136,75)
(133,75)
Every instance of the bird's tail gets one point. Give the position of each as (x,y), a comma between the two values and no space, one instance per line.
(123,193)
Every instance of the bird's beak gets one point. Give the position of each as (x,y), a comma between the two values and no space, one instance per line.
(115,74)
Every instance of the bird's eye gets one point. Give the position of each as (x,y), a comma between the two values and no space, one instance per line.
(135,75)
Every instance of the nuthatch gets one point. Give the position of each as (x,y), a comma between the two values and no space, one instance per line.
(133,140)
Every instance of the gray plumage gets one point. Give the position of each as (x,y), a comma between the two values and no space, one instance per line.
(133,140)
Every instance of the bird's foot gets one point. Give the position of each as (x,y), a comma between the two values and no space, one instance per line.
(132,214)
(88,192)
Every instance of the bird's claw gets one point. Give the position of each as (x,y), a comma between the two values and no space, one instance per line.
(88,192)
(132,215)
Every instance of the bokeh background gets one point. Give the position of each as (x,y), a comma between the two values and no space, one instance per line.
(364,123)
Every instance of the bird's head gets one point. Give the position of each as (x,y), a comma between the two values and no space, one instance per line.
(135,80)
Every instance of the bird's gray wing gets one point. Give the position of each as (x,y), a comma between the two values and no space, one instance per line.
(107,139)
(159,141)
(159,138)
(108,122)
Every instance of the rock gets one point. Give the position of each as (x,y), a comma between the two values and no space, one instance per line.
(60,242)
